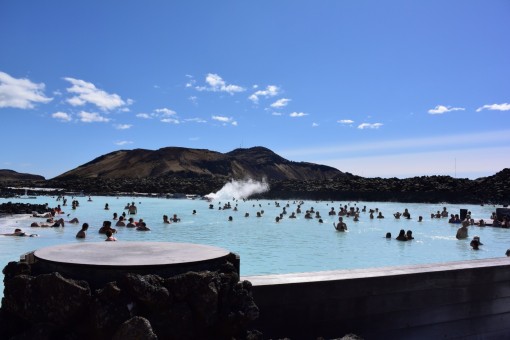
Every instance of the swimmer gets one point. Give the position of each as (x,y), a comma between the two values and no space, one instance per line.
(17,232)
(474,244)
(109,236)
(420,218)
(462,232)
(132,209)
(230,219)
(142,227)
(74,221)
(409,235)
(107,225)
(131,223)
(402,235)
(83,232)
(340,226)
(175,218)
(380,215)
(120,222)
(388,236)
(166,220)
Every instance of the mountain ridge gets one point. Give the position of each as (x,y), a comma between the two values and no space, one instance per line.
(256,163)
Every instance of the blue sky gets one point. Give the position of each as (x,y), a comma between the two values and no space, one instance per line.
(375,88)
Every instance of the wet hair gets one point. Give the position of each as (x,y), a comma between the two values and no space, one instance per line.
(388,235)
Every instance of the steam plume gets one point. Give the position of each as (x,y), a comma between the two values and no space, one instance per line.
(239,189)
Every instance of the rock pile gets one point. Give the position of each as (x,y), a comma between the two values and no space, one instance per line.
(194,305)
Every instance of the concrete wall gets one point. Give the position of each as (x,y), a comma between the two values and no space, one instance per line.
(468,299)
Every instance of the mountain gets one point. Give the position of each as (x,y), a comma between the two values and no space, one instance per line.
(256,163)
(13,176)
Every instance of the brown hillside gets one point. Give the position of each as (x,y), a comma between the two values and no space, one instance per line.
(256,163)
(13,176)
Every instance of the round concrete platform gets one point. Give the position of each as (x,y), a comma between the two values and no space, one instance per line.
(101,262)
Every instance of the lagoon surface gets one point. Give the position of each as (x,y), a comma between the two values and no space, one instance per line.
(267,247)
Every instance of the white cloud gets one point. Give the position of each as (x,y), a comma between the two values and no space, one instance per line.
(225,120)
(165,112)
(495,107)
(270,91)
(123,142)
(20,93)
(170,120)
(217,84)
(62,116)
(276,113)
(315,124)
(123,126)
(280,103)
(440,109)
(92,117)
(369,126)
(86,92)
(345,121)
(193,99)
(143,115)
(298,114)
(195,120)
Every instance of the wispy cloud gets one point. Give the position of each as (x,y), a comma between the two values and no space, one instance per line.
(369,126)
(20,93)
(165,112)
(225,120)
(216,84)
(170,120)
(345,121)
(92,117)
(270,91)
(193,99)
(195,120)
(280,103)
(495,107)
(298,114)
(440,109)
(315,124)
(123,126)
(123,142)
(144,116)
(88,93)
(398,145)
(62,116)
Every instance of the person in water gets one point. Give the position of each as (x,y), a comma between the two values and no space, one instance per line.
(109,236)
(402,235)
(83,232)
(17,232)
(462,232)
(107,225)
(340,226)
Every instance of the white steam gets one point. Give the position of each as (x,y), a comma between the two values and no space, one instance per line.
(239,190)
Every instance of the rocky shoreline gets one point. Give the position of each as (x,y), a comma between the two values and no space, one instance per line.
(425,189)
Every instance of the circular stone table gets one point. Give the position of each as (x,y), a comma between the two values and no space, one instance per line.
(102,262)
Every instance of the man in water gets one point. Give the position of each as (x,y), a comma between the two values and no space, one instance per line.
(462,232)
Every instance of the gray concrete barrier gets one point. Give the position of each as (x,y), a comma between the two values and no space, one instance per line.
(468,299)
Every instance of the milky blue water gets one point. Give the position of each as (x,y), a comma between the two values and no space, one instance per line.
(267,247)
